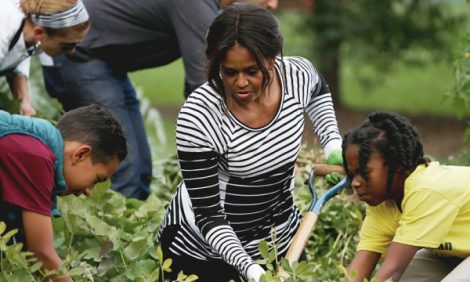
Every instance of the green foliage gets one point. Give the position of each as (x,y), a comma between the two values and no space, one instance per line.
(7,102)
(370,37)
(385,29)
(460,93)
(108,237)
(16,265)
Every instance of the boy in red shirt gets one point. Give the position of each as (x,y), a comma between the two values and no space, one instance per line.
(39,162)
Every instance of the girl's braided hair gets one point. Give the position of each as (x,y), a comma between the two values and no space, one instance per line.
(391,135)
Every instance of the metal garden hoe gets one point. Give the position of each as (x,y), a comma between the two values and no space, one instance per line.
(310,217)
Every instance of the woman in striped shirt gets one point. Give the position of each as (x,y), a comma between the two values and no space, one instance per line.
(238,137)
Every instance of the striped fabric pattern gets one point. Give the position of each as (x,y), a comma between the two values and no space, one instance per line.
(237,181)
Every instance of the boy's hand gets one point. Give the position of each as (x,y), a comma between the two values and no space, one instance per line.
(335,157)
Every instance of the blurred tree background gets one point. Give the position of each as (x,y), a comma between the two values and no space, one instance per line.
(379,33)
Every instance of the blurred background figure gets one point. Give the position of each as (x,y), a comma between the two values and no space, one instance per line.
(32,26)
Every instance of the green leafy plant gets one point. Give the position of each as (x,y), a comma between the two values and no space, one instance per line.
(16,265)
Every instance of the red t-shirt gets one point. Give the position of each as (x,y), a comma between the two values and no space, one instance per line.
(26,173)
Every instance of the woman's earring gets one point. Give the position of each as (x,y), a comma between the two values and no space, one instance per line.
(220,75)
(34,49)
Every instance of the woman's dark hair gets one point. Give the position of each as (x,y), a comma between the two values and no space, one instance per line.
(97,127)
(252,27)
(391,135)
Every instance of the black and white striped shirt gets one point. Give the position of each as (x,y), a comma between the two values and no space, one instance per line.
(237,181)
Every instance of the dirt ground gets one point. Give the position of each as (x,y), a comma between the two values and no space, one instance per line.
(442,136)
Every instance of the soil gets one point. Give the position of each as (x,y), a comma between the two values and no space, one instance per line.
(442,136)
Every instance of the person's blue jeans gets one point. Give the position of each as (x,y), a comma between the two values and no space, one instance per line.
(77,84)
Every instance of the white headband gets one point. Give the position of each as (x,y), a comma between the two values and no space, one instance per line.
(74,15)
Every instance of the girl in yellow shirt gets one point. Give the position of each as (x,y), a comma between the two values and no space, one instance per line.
(419,211)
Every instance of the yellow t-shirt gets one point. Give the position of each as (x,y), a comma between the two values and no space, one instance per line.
(435,213)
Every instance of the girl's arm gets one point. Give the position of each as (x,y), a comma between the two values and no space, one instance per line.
(362,265)
(396,261)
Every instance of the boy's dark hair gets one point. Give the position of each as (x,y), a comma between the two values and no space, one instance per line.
(95,126)
(389,134)
(252,27)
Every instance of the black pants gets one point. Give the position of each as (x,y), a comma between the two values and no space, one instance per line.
(207,270)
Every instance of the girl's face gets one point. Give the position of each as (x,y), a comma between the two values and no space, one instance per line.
(241,75)
(374,190)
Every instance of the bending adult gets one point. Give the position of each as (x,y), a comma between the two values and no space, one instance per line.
(32,26)
(128,36)
(238,138)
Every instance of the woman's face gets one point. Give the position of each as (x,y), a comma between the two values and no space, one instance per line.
(241,75)
(374,190)
(54,45)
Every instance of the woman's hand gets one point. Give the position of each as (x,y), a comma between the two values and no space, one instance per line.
(335,157)
(254,272)
(26,108)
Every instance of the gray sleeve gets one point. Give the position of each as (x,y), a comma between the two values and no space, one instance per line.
(191,19)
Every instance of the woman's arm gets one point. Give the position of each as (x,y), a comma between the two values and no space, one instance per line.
(19,88)
(198,159)
(319,107)
(40,240)
(397,260)
(363,265)
(200,176)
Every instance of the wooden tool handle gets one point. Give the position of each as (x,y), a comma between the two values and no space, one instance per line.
(324,169)
(301,236)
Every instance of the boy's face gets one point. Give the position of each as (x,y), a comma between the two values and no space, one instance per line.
(80,174)
(373,191)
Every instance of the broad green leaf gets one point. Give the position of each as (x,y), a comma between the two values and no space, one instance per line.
(159,253)
(100,190)
(264,249)
(136,249)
